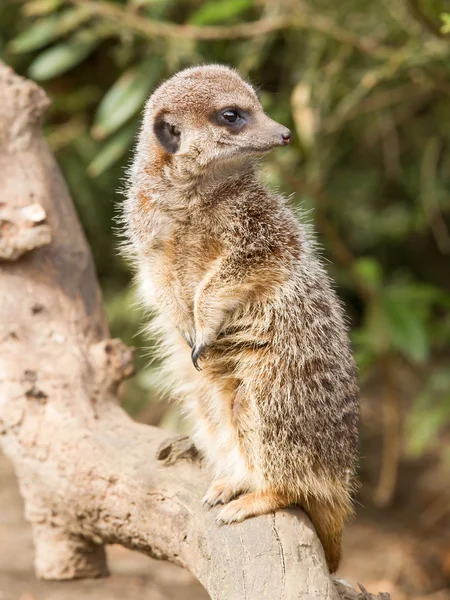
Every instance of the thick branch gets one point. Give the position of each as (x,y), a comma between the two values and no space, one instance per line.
(89,475)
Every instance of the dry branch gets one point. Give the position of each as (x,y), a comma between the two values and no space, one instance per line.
(303,19)
(89,475)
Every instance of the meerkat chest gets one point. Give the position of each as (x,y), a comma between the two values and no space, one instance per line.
(178,256)
(154,242)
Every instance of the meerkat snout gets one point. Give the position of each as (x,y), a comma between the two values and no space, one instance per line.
(206,115)
(286,137)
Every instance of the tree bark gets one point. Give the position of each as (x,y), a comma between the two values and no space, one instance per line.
(89,475)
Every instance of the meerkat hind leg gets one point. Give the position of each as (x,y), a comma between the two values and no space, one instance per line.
(251,505)
(221,491)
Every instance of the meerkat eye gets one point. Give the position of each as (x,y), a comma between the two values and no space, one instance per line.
(231,115)
(234,119)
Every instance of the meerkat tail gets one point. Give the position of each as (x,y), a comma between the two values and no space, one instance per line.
(328,521)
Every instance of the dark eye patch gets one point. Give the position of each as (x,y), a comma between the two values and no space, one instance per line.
(231,117)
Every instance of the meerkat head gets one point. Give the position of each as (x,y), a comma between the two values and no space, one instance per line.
(207,115)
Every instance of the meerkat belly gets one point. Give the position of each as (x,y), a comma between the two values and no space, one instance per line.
(217,431)
(225,413)
(214,405)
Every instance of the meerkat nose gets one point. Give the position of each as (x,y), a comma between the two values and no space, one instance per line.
(286,137)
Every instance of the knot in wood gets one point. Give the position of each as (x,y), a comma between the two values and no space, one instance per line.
(112,361)
(177,448)
(22,230)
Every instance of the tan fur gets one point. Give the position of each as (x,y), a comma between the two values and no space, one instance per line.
(227,269)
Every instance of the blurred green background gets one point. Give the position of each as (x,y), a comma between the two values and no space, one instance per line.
(365,87)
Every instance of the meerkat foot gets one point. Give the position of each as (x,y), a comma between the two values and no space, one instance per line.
(250,505)
(221,491)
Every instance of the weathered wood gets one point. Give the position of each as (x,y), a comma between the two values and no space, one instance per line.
(89,475)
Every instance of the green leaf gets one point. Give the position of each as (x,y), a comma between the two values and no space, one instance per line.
(445,18)
(219,12)
(125,98)
(363,350)
(369,269)
(61,58)
(430,413)
(425,425)
(48,29)
(424,294)
(39,34)
(112,151)
(374,333)
(406,328)
(400,318)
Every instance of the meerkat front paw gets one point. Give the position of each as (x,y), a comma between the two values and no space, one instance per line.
(220,491)
(197,351)
(250,505)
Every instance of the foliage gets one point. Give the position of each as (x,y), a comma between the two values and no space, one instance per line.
(365,85)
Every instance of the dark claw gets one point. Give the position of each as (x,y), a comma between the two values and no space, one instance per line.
(196,353)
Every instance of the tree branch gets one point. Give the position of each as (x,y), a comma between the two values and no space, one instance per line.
(89,475)
(426,22)
(305,20)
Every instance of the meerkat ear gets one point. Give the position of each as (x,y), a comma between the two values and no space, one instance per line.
(168,135)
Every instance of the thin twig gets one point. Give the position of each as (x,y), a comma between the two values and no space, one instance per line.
(429,198)
(340,251)
(62,135)
(401,115)
(400,60)
(386,98)
(422,18)
(390,144)
(342,255)
(305,20)
(391,437)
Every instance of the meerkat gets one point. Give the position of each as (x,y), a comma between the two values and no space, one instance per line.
(253,336)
